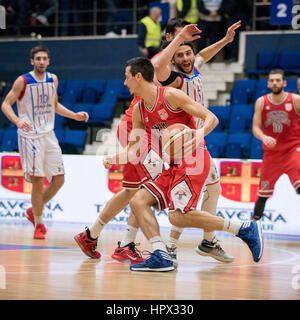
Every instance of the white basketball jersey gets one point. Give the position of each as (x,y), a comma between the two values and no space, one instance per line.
(37,104)
(193,87)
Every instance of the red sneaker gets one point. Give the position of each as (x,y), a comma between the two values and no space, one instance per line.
(128,254)
(39,231)
(87,245)
(29,215)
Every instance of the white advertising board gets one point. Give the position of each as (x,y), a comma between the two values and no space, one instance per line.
(88,187)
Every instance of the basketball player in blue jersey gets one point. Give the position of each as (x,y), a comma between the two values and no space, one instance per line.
(36,95)
(177,66)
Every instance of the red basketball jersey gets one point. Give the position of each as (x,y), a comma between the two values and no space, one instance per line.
(162,115)
(282,122)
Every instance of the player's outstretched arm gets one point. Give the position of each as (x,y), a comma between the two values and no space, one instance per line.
(162,61)
(209,52)
(8,102)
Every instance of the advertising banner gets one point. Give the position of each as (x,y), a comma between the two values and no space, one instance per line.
(88,186)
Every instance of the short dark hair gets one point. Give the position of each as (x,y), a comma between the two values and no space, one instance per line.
(185,43)
(175,23)
(142,65)
(37,49)
(278,71)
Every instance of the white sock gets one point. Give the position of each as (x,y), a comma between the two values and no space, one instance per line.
(209,236)
(157,244)
(232,226)
(172,242)
(97,228)
(38,220)
(129,235)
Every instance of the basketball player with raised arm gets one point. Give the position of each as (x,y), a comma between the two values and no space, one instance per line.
(184,75)
(276,122)
(133,176)
(159,108)
(37,103)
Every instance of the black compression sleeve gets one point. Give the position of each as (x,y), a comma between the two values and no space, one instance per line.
(171,78)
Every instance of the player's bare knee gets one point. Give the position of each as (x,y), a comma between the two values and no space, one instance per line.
(175,218)
(136,203)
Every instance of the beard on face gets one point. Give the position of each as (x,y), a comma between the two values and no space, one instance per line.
(276,90)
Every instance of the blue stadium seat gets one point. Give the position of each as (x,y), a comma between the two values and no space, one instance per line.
(102,112)
(76,138)
(1,135)
(87,107)
(73,91)
(238,145)
(243,91)
(9,140)
(223,114)
(60,133)
(59,121)
(241,118)
(61,87)
(215,143)
(93,90)
(261,88)
(256,150)
(291,85)
(125,93)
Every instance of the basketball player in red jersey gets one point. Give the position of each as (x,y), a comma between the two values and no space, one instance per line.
(133,176)
(276,122)
(179,187)
(177,66)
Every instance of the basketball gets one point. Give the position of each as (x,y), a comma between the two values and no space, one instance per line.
(176,141)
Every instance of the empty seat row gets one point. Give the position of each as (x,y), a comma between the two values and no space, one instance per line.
(235,118)
(236,145)
(248,90)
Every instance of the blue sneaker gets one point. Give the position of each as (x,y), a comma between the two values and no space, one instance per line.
(158,261)
(250,232)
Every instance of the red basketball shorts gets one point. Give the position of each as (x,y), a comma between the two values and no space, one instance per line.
(277,163)
(179,187)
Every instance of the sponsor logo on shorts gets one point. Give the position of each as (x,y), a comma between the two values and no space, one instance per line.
(180,194)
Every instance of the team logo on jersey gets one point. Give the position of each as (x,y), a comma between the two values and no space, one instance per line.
(240,180)
(288,107)
(264,185)
(12,175)
(277,119)
(115,177)
(163,114)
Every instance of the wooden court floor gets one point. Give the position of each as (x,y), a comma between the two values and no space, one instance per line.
(55,269)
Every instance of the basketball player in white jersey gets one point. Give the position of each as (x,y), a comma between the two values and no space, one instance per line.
(185,76)
(36,96)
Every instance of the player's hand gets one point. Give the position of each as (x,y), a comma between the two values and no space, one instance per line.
(231,31)
(268,141)
(24,125)
(190,33)
(81,116)
(108,161)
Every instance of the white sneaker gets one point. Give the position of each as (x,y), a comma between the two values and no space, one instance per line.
(214,250)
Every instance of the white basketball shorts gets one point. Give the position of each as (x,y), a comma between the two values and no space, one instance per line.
(41,156)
